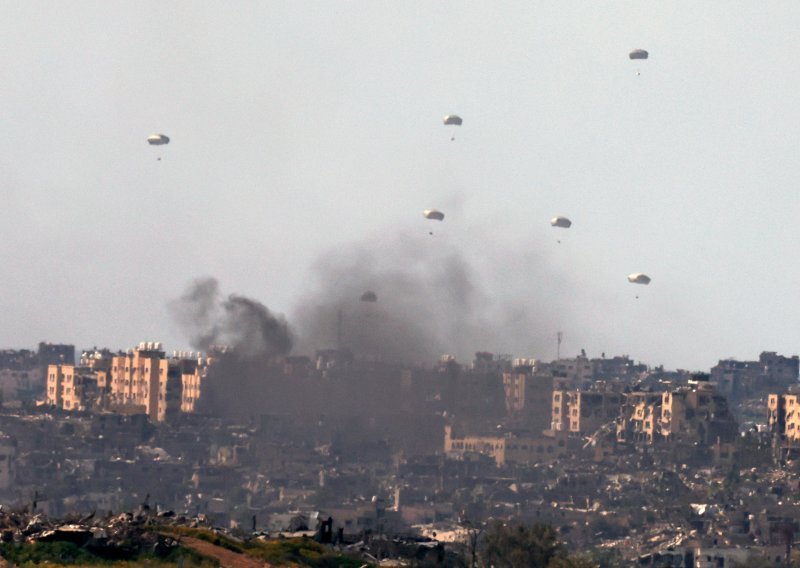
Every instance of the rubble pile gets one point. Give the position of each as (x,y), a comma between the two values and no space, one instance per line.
(123,536)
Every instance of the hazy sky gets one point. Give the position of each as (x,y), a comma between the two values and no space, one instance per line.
(302,128)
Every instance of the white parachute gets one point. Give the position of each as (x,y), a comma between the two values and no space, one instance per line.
(452,120)
(158,139)
(433,214)
(639,278)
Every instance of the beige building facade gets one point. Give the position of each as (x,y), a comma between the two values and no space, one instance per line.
(139,381)
(507,448)
(584,412)
(784,415)
(65,387)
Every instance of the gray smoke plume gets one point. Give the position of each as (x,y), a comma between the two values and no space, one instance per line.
(432,298)
(242,323)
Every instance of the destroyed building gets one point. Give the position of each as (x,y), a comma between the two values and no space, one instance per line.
(528,392)
(697,413)
(584,412)
(508,447)
(23,372)
(742,378)
(359,440)
(640,417)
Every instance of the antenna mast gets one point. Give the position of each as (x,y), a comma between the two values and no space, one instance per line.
(339,329)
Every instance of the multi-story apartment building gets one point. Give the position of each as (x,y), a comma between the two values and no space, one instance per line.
(784,416)
(486,362)
(619,367)
(70,387)
(584,412)
(139,382)
(578,371)
(22,377)
(780,370)
(528,394)
(56,375)
(697,413)
(507,448)
(740,378)
(640,417)
(192,372)
(54,353)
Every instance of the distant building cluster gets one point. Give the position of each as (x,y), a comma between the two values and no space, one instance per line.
(738,379)
(666,465)
(142,380)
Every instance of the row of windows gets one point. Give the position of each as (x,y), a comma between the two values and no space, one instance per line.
(466,446)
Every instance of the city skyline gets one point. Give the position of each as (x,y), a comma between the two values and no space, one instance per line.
(302,133)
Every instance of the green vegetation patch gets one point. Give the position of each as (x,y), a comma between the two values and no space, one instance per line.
(279,552)
(69,554)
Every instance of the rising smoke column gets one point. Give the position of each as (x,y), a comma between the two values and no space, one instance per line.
(245,324)
(244,382)
(429,302)
(458,295)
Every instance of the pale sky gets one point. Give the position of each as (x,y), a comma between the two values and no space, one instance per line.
(300,128)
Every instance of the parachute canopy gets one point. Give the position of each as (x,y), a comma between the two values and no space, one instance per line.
(158,139)
(639,278)
(433,214)
(369,296)
(562,222)
(452,119)
(638,54)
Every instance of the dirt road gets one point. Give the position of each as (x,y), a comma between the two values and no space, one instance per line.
(227,558)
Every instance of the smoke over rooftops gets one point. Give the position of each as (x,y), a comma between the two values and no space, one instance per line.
(431,296)
(243,323)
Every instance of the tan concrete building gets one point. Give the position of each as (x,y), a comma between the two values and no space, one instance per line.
(640,418)
(584,412)
(72,390)
(784,415)
(95,366)
(58,377)
(696,414)
(70,387)
(65,387)
(139,382)
(506,448)
(560,415)
(193,372)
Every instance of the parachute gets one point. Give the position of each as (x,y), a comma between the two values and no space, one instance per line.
(369,296)
(433,214)
(639,278)
(452,120)
(638,54)
(158,139)
(562,222)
